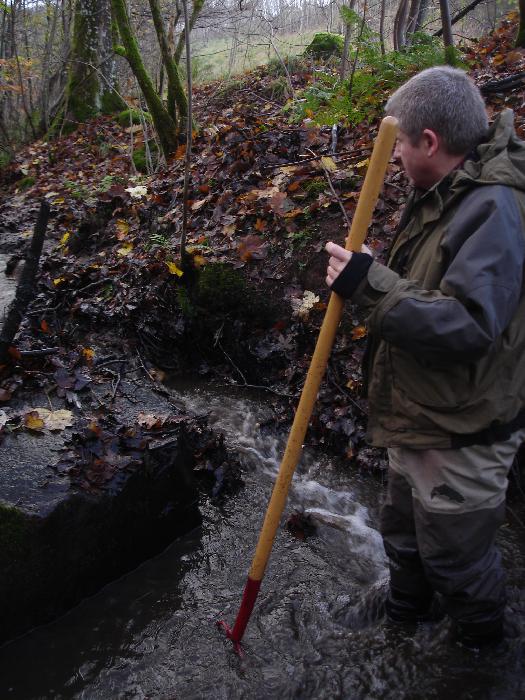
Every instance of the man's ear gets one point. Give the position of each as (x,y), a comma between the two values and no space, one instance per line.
(430,141)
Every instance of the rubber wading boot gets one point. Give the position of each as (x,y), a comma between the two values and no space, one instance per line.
(402,609)
(478,635)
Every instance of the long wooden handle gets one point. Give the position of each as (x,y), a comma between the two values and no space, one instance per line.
(362,217)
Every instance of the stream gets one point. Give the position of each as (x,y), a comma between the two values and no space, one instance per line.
(317,630)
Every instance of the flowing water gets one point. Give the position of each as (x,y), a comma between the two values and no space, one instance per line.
(317,630)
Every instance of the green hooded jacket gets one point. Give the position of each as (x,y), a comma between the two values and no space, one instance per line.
(446,363)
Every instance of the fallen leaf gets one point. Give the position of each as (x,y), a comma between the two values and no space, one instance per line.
(53,420)
(174,269)
(251,247)
(122,227)
(358,332)
(32,421)
(328,163)
(137,192)
(302,307)
(197,205)
(88,354)
(125,250)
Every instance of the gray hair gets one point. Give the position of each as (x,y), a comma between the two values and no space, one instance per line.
(445,100)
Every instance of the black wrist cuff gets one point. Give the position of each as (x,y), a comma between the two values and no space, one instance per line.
(351,275)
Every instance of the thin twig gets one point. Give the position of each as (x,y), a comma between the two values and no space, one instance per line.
(157,388)
(39,353)
(95,284)
(338,198)
(335,156)
(345,391)
(115,388)
(109,362)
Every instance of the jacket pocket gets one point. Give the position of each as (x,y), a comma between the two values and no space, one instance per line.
(443,386)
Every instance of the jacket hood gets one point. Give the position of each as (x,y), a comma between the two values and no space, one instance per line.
(500,160)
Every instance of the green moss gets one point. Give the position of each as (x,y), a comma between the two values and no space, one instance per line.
(14,533)
(315,186)
(139,156)
(111,102)
(133,116)
(185,305)
(451,56)
(5,159)
(220,289)
(26,182)
(325,44)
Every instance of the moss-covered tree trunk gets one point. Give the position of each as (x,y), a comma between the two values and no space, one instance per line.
(111,101)
(83,88)
(92,84)
(164,124)
(177,100)
(197,7)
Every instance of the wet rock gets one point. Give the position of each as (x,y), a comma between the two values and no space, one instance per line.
(63,534)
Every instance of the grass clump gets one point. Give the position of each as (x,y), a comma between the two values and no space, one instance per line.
(277,67)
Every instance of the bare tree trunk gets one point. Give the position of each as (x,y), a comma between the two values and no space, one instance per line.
(447,32)
(52,21)
(413,14)
(346,47)
(382,27)
(354,66)
(400,24)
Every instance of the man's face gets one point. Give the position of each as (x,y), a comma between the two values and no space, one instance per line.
(415,160)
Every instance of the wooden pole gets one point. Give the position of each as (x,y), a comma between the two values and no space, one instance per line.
(362,217)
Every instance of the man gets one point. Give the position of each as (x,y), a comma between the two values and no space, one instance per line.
(445,361)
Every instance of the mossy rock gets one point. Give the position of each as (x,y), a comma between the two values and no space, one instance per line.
(132,116)
(325,44)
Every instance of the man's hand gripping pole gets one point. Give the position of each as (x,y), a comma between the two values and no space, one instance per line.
(360,223)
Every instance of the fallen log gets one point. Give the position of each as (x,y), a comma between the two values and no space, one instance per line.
(26,286)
